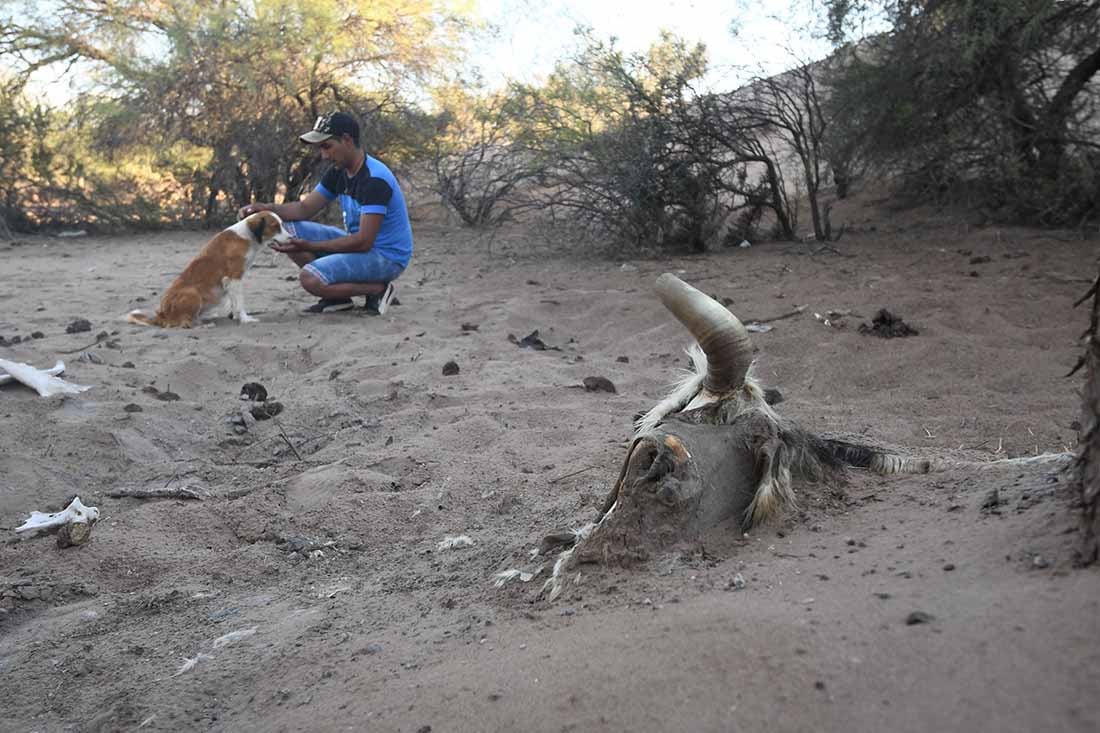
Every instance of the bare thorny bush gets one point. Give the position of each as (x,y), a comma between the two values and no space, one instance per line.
(625,149)
(990,104)
(481,174)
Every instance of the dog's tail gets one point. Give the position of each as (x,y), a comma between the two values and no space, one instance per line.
(141,318)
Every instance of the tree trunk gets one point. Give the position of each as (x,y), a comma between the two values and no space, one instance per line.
(779,202)
(1052,142)
(211,209)
(813,187)
(1088,453)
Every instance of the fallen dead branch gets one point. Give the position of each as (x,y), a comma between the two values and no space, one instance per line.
(162,492)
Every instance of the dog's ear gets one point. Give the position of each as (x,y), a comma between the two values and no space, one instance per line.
(257,228)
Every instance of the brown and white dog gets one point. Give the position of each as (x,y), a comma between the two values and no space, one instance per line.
(214,276)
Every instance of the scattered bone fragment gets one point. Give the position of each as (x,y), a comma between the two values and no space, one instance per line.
(55,370)
(233,636)
(73,524)
(76,533)
(505,576)
(42,381)
(455,542)
(189,663)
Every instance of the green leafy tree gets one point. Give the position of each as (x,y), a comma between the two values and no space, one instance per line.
(239,78)
(20,124)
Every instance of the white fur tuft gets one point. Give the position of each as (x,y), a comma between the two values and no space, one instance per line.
(504,576)
(555,584)
(891,463)
(684,389)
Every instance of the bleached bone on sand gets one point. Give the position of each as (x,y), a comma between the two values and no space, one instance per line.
(75,513)
(233,636)
(56,369)
(454,543)
(43,381)
(505,576)
(190,662)
(224,640)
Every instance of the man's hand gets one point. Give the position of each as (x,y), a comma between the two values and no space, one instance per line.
(249,210)
(292,245)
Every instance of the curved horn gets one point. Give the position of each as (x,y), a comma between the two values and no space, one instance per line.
(721,335)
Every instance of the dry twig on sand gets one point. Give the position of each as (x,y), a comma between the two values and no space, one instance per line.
(574,473)
(796,312)
(98,340)
(283,433)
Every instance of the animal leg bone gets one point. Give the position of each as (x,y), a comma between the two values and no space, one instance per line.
(56,369)
(41,381)
(73,523)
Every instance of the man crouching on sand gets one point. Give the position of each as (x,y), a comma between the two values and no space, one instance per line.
(338,265)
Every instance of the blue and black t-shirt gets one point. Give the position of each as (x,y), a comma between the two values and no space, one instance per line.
(373,190)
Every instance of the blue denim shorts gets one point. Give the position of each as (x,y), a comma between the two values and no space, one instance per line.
(343,267)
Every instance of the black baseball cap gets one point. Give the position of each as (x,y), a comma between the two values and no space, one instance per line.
(334,124)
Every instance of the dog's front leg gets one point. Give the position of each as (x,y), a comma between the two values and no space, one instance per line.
(235,291)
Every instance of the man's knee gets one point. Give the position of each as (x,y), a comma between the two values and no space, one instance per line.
(310,282)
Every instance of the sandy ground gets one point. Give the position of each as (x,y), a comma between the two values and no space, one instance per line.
(309,585)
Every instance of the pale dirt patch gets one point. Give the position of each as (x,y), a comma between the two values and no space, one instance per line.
(361,622)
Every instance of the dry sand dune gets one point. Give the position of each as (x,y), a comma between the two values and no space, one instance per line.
(308,588)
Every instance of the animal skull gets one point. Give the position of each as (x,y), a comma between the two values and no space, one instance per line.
(712,451)
(73,524)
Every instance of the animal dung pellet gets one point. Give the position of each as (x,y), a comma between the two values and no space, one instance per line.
(598,384)
(254,391)
(80,325)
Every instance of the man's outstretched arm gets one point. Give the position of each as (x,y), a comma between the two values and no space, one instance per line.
(360,241)
(299,210)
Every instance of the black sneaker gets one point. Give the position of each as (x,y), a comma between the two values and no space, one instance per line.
(377,304)
(330,305)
